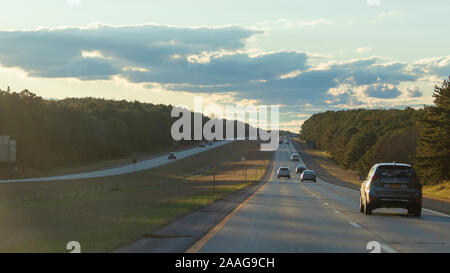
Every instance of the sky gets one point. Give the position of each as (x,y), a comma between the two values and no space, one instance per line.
(305,56)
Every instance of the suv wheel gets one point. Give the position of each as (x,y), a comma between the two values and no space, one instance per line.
(361,205)
(416,210)
(367,209)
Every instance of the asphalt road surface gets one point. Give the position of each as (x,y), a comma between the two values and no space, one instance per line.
(288,216)
(139,166)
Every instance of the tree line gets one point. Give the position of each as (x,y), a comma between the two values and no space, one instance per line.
(357,139)
(77,131)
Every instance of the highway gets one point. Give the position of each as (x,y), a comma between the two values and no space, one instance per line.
(288,216)
(129,168)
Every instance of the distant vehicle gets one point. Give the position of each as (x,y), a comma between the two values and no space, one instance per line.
(295,157)
(202,144)
(281,141)
(284,172)
(308,175)
(300,168)
(391,185)
(172,156)
(210,143)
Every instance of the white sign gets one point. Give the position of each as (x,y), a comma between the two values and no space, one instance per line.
(7,149)
(4,148)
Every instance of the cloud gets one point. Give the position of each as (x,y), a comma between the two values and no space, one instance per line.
(373,2)
(210,60)
(295,23)
(228,69)
(363,49)
(73,2)
(380,90)
(439,66)
(413,92)
(54,52)
(389,14)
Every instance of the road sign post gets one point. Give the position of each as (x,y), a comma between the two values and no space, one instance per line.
(214,182)
(134,164)
(7,152)
(244,171)
(12,155)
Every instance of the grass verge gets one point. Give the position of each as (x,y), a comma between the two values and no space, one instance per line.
(104,214)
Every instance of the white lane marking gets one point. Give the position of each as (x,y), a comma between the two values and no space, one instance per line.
(354,224)
(326,204)
(438,213)
(317,197)
(336,211)
(388,249)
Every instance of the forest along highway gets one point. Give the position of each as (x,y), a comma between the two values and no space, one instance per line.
(288,216)
(139,166)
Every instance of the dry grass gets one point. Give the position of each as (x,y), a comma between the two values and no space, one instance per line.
(440,192)
(107,213)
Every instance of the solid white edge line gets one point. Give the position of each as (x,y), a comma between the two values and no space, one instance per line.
(388,249)
(438,213)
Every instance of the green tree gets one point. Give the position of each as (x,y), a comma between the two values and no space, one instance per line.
(433,151)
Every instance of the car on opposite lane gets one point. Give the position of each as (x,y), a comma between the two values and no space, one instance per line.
(391,185)
(172,156)
(201,144)
(308,175)
(284,172)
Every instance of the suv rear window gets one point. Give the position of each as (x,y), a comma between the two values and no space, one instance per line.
(397,173)
(284,169)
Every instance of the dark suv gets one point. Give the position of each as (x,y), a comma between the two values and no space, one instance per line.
(391,185)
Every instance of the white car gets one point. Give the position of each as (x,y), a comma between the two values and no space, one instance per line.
(295,157)
(308,175)
(284,172)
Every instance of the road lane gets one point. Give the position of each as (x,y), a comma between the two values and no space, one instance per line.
(288,216)
(139,166)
